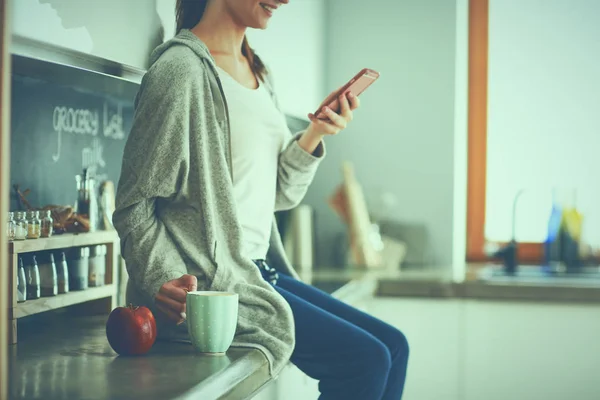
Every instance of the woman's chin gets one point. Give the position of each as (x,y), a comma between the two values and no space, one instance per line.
(260,24)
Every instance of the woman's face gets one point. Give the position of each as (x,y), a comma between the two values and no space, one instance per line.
(254,13)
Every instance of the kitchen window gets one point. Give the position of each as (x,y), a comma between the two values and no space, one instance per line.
(534,120)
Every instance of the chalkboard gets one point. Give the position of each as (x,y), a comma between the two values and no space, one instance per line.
(66,117)
(59,129)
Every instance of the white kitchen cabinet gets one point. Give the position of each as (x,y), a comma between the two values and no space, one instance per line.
(292,384)
(528,351)
(432,327)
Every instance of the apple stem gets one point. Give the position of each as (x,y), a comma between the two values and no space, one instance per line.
(132,307)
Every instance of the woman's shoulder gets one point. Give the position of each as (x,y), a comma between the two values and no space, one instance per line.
(178,64)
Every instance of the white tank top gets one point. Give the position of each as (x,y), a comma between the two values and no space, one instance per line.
(258,134)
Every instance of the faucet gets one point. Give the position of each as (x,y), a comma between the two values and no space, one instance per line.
(509,253)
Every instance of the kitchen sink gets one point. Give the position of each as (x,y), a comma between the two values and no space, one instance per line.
(541,274)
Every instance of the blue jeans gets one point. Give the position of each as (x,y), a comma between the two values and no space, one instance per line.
(352,354)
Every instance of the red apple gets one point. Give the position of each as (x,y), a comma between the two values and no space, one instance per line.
(131,330)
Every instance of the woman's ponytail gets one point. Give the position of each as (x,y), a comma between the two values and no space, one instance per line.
(188,13)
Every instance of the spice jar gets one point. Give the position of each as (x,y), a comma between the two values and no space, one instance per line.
(21,282)
(33,278)
(10,226)
(48,278)
(79,268)
(62,272)
(33,225)
(47,225)
(97,270)
(20,226)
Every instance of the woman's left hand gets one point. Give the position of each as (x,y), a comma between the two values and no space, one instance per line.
(334,123)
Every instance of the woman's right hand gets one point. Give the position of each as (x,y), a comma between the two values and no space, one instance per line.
(171,297)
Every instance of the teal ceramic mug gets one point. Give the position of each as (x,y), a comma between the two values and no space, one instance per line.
(211,320)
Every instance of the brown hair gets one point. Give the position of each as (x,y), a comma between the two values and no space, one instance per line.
(189,12)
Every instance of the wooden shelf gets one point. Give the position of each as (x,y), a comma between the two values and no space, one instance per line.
(103,299)
(62,241)
(42,304)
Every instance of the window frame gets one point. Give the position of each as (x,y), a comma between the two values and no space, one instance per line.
(477,140)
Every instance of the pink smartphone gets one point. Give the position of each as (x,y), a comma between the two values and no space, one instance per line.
(356,85)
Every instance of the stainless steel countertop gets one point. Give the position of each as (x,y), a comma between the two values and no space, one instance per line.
(436,282)
(70,358)
(59,356)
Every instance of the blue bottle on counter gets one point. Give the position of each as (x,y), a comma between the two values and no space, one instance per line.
(552,247)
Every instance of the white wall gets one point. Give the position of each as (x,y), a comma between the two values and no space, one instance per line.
(123,31)
(543,119)
(402,138)
(461,147)
(293,47)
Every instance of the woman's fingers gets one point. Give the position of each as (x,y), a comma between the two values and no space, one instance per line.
(172,315)
(328,122)
(354,101)
(325,126)
(176,306)
(345,110)
(336,119)
(176,289)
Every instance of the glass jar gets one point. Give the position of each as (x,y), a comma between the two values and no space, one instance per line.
(10,226)
(34,225)
(20,226)
(47,225)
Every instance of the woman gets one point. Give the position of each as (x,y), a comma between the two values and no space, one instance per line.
(208,162)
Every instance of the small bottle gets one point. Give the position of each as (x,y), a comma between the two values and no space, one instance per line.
(10,227)
(33,225)
(62,273)
(33,279)
(97,269)
(48,278)
(20,226)
(21,282)
(79,268)
(47,225)
(87,202)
